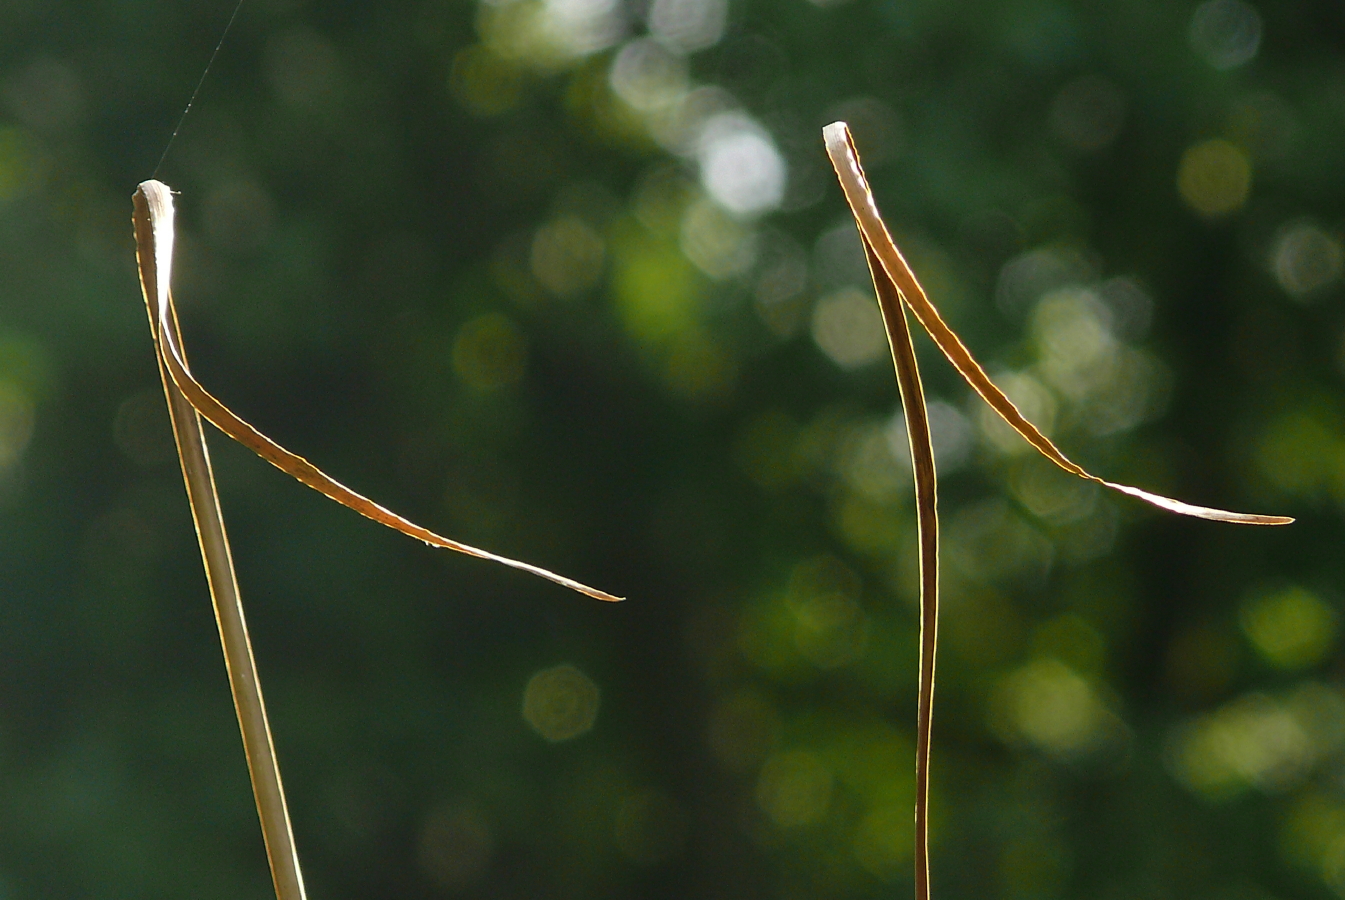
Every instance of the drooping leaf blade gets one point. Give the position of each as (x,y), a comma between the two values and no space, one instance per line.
(845,159)
(155,249)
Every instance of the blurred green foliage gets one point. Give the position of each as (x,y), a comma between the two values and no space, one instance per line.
(570,280)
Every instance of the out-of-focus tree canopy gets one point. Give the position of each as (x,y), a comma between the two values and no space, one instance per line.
(572,280)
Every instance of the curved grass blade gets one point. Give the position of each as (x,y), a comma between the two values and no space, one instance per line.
(244,683)
(894,282)
(156,256)
(845,159)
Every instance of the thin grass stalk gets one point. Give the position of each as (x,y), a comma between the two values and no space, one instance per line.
(153,221)
(896,287)
(927,517)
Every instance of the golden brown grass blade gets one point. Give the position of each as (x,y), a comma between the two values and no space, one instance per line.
(160,204)
(845,159)
(897,288)
(153,233)
(927,515)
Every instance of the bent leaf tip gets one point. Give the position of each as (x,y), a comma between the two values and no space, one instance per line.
(894,269)
(1199,512)
(153,220)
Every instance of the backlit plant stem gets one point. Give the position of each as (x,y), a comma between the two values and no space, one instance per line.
(897,288)
(153,221)
(927,517)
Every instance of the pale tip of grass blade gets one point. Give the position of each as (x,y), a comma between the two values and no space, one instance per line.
(1199,512)
(836,135)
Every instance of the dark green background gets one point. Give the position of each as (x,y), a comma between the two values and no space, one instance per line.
(1131,705)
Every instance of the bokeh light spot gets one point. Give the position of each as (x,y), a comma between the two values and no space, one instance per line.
(869,527)
(1072,328)
(781,284)
(950,432)
(567,256)
(740,167)
(16,423)
(874,464)
(581,27)
(1306,258)
(848,327)
(489,353)
(1257,741)
(1214,177)
(47,95)
(455,847)
(1026,278)
(989,542)
(483,83)
(794,788)
(1226,33)
(657,289)
(550,34)
(1291,629)
(1050,493)
(1312,836)
(951,435)
(720,245)
(648,76)
(1300,451)
(883,841)
(560,703)
(1051,706)
(831,629)
(838,258)
(688,25)
(1073,640)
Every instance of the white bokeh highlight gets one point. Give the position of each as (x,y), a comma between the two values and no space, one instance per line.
(688,25)
(741,169)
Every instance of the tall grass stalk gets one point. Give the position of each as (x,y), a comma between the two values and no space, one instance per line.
(188,403)
(153,221)
(898,289)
